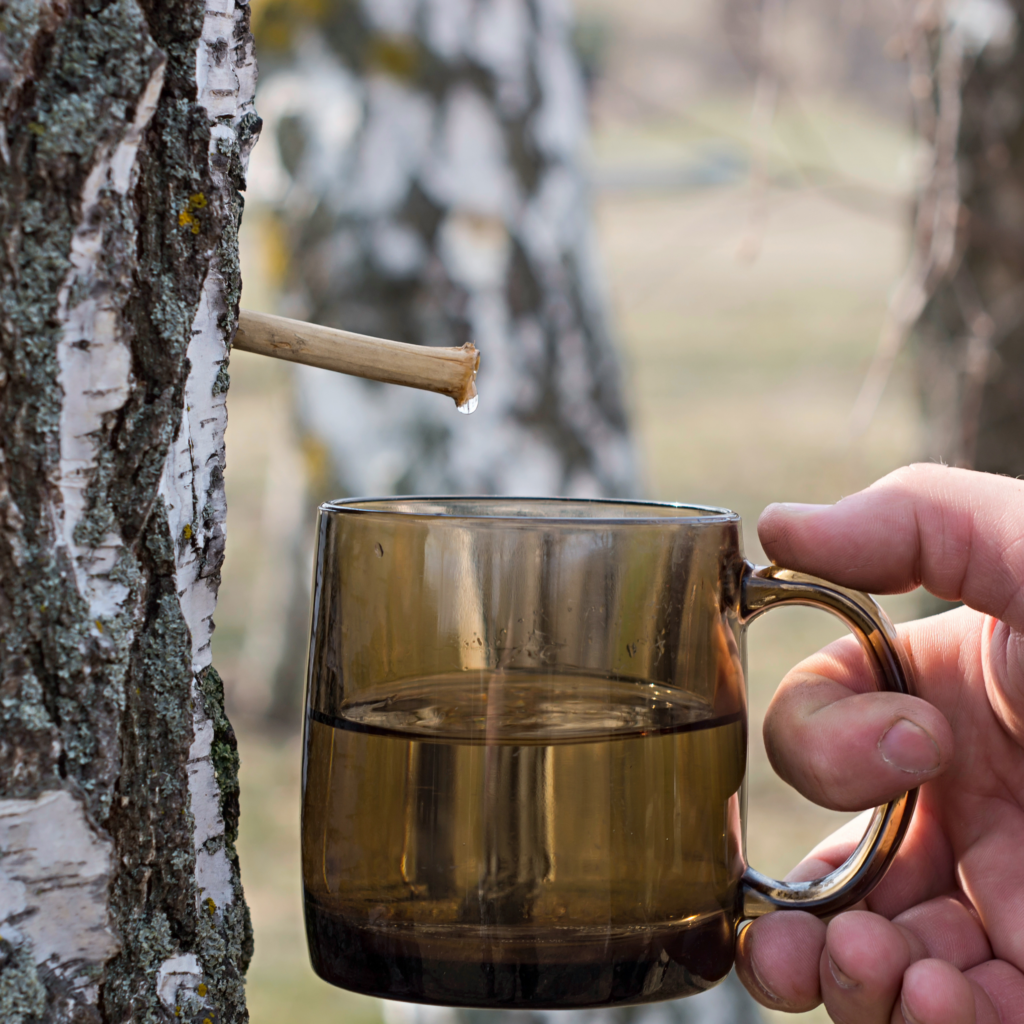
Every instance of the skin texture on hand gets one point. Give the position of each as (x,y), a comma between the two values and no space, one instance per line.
(941,939)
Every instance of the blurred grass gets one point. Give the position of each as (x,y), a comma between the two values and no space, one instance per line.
(281,985)
(741,377)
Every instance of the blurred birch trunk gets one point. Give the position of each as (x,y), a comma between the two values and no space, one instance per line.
(429,182)
(967,65)
(423,169)
(126,129)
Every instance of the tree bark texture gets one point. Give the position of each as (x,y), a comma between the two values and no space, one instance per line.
(126,130)
(426,166)
(970,337)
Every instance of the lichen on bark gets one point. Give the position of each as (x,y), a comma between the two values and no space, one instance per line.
(115,314)
(22,994)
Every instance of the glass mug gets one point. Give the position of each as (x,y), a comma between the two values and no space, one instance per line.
(525,744)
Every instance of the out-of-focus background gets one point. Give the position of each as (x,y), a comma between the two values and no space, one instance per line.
(720,251)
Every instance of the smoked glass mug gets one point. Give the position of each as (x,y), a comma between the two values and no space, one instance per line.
(525,743)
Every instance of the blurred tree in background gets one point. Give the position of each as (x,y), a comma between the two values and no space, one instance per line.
(971,333)
(962,294)
(429,188)
(424,168)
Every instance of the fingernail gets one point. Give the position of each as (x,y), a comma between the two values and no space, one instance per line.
(765,990)
(796,508)
(907,1015)
(842,979)
(905,745)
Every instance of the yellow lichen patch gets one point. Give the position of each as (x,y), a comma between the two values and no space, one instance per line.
(186,218)
(187,531)
(99,625)
(211,907)
(202,989)
(36,128)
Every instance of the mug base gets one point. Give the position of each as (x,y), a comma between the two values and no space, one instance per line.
(618,970)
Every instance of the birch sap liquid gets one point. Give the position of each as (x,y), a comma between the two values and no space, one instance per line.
(493,839)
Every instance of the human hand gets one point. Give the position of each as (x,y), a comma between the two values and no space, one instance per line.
(941,939)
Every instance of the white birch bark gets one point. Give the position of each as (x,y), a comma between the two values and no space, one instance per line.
(192,485)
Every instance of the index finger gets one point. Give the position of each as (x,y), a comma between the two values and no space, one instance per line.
(957,532)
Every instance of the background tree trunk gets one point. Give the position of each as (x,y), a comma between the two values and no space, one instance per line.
(970,337)
(434,192)
(126,129)
(430,185)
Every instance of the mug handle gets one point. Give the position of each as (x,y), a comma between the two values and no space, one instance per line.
(768,586)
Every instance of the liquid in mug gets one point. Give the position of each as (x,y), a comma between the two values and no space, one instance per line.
(494,838)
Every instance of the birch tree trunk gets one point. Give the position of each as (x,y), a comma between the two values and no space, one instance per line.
(126,130)
(428,175)
(970,335)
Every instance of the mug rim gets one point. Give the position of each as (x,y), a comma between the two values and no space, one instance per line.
(379,505)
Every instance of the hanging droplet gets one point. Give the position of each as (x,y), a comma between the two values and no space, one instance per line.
(472,399)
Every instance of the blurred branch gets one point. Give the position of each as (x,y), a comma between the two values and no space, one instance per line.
(826,178)
(985,329)
(935,84)
(982,329)
(766,95)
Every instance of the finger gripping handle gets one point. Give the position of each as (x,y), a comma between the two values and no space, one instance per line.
(765,587)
